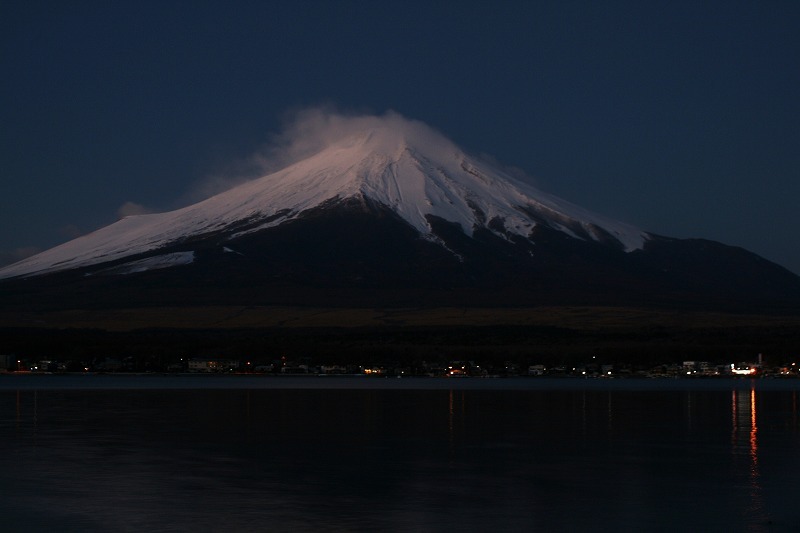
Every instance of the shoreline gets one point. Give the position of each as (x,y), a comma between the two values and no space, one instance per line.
(189,381)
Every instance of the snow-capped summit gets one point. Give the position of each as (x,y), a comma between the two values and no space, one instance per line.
(400,164)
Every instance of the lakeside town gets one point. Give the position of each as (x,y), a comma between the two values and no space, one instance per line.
(452,369)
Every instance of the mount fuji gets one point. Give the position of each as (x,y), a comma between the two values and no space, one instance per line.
(389,212)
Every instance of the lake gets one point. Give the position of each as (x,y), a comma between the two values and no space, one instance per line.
(254,453)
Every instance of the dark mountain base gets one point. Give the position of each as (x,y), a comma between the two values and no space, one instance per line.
(360,254)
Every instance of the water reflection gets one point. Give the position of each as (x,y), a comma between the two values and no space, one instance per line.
(34,416)
(450,413)
(745,426)
(744,409)
(387,460)
(456,414)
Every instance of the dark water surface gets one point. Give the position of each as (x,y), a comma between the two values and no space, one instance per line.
(102,453)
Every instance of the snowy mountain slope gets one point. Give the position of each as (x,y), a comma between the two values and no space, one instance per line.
(404,166)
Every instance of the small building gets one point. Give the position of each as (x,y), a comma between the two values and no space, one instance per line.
(108,364)
(332,369)
(536,370)
(290,368)
(744,369)
(703,368)
(212,365)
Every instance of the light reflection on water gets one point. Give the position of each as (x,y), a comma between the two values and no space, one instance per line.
(377,460)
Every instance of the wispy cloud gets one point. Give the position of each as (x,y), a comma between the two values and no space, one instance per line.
(304,133)
(70,231)
(132,209)
(8,257)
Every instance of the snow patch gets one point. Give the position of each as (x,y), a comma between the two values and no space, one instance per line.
(151,263)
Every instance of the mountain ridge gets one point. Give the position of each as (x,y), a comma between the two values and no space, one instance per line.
(382,165)
(393,214)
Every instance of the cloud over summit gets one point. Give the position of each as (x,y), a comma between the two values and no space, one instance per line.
(308,131)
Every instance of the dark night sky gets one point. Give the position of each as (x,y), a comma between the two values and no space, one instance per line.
(680,117)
